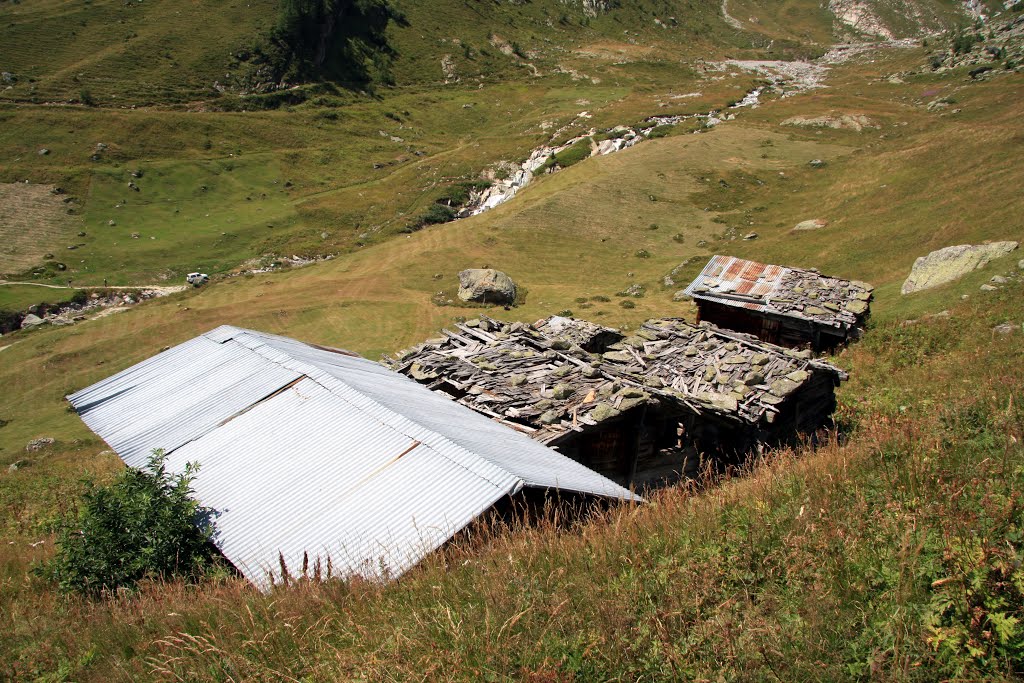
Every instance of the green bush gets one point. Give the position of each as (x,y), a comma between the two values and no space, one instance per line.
(574,154)
(660,131)
(438,213)
(962,42)
(145,524)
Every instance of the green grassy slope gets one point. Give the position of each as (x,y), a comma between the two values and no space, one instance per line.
(125,52)
(893,555)
(329,170)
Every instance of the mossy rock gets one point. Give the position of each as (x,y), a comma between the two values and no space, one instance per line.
(753,377)
(561,392)
(418,372)
(783,387)
(603,411)
(549,417)
(563,371)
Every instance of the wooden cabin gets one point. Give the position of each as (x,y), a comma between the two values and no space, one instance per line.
(639,409)
(794,307)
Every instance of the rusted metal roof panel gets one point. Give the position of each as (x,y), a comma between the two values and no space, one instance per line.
(792,292)
(311,453)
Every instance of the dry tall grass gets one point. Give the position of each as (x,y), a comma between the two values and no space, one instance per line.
(890,551)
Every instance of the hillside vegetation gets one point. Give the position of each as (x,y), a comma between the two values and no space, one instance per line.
(888,550)
(259,137)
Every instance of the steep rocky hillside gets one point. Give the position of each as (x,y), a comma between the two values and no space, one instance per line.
(118,53)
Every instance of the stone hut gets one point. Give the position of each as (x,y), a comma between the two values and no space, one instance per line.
(639,409)
(793,307)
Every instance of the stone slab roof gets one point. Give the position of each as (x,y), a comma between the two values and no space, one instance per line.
(539,378)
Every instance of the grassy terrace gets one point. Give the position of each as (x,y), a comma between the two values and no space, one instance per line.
(891,554)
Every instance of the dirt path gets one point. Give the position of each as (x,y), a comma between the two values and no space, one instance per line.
(164,290)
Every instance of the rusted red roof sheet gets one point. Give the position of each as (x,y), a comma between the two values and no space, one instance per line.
(794,292)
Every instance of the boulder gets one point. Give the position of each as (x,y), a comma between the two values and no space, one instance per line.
(812,224)
(39,444)
(952,263)
(486,285)
(31,320)
(848,121)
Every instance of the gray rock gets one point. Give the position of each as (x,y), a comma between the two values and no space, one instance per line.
(988,288)
(634,290)
(39,444)
(750,236)
(486,285)
(951,263)
(849,121)
(31,320)
(999,280)
(8,77)
(43,152)
(816,163)
(812,224)
(1020,264)
(1005,328)
(681,295)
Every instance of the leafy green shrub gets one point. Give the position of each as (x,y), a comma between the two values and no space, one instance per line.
(573,155)
(438,213)
(626,303)
(962,42)
(660,131)
(145,524)
(458,194)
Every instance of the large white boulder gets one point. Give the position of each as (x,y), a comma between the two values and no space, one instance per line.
(952,263)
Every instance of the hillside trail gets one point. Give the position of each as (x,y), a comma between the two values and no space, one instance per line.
(163,290)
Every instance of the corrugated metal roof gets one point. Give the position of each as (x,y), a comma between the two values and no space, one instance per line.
(738,282)
(793,292)
(308,451)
